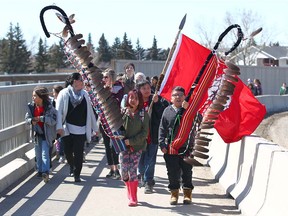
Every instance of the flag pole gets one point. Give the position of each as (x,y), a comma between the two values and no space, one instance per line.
(161,77)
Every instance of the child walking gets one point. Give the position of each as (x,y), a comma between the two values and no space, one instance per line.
(42,116)
(136,124)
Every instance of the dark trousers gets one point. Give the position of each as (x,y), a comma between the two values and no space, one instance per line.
(112,157)
(175,167)
(73,149)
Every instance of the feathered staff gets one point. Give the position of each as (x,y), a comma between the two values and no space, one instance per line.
(102,101)
(201,82)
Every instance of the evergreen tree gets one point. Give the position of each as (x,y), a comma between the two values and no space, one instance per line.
(153,51)
(126,51)
(139,50)
(42,58)
(14,58)
(89,44)
(116,48)
(57,58)
(21,53)
(104,51)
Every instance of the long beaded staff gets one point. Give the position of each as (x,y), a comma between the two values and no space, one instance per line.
(101,99)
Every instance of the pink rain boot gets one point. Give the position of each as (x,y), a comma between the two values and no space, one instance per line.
(133,193)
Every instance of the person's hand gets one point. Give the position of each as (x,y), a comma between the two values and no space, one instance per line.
(60,132)
(155,98)
(164,150)
(185,104)
(35,120)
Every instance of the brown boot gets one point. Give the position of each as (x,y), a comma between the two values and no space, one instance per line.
(174,197)
(187,196)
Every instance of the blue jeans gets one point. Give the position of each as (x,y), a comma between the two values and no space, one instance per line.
(42,156)
(147,163)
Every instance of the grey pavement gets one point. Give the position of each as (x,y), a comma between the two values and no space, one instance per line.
(96,195)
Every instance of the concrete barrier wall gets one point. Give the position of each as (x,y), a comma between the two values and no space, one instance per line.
(16,164)
(274,103)
(245,170)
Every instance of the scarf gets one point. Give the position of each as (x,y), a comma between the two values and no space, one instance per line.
(75,96)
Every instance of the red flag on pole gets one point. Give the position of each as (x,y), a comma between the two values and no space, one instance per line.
(245,112)
(242,117)
(187,60)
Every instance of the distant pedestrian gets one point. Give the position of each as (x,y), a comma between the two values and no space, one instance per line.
(283,89)
(42,116)
(252,88)
(129,81)
(154,81)
(258,87)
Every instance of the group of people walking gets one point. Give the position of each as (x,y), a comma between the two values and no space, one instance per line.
(148,120)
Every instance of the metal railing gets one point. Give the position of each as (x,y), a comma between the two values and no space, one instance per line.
(13,106)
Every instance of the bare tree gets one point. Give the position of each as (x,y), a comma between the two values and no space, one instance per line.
(249,22)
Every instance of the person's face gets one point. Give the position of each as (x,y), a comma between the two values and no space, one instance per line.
(107,79)
(133,101)
(153,82)
(177,98)
(146,91)
(78,84)
(54,93)
(36,99)
(130,71)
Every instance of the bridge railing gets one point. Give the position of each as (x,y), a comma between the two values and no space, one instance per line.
(13,106)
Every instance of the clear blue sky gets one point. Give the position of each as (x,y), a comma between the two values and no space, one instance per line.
(140,18)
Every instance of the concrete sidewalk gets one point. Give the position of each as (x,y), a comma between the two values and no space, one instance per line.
(97,195)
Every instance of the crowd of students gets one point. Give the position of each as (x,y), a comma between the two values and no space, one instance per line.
(69,120)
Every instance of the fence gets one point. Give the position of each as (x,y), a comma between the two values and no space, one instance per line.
(13,106)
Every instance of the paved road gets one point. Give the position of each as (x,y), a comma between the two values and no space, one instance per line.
(97,195)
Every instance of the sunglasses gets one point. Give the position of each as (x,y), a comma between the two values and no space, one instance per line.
(105,77)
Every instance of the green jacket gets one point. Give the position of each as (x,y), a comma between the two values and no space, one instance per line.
(136,129)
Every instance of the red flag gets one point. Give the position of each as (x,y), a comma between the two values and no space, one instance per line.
(188,58)
(242,117)
(245,112)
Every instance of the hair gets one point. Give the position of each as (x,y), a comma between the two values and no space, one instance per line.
(70,79)
(141,75)
(57,88)
(43,93)
(178,88)
(257,81)
(129,64)
(155,77)
(140,98)
(142,83)
(111,73)
(250,85)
